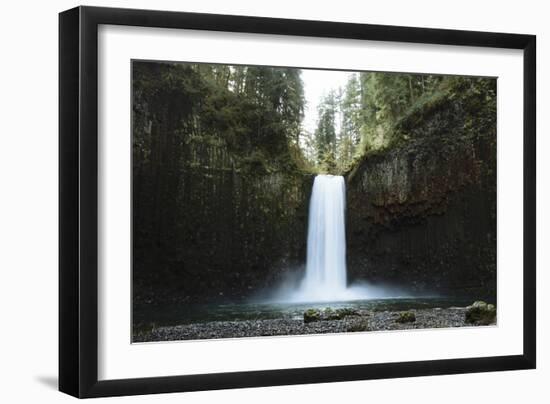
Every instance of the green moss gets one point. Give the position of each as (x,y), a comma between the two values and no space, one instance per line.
(406,317)
(140,331)
(328,314)
(312,315)
(459,107)
(338,314)
(347,311)
(481,313)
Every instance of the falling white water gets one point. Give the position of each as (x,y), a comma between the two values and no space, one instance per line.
(325,277)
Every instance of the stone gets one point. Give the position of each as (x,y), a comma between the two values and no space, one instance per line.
(347,311)
(328,313)
(359,326)
(406,317)
(311,315)
(481,313)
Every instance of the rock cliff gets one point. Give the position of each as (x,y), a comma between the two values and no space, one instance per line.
(422,214)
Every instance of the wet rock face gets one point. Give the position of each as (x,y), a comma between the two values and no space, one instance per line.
(219,210)
(227,234)
(423,214)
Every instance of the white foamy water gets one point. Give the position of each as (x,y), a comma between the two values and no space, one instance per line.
(325,278)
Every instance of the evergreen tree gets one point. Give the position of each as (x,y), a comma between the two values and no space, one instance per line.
(351,111)
(325,134)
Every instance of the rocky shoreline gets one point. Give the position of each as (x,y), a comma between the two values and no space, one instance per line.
(358,321)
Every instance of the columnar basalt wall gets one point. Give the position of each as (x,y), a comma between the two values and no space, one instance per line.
(423,213)
(224,234)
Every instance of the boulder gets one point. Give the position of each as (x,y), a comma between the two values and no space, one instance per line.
(338,314)
(311,315)
(406,317)
(359,326)
(481,313)
(328,313)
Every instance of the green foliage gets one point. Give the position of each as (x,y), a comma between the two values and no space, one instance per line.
(363,117)
(471,93)
(390,126)
(352,111)
(327,162)
(325,135)
(255,111)
(386,97)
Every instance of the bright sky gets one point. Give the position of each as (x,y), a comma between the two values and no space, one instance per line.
(318,83)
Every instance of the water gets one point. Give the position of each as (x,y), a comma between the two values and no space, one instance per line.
(175,314)
(325,279)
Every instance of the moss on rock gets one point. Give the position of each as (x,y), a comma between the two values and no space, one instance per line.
(481,313)
(406,317)
(422,211)
(311,315)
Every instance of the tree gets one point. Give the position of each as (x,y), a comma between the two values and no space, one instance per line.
(351,111)
(351,122)
(292,103)
(325,133)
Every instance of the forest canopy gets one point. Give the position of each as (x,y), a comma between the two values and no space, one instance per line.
(257,112)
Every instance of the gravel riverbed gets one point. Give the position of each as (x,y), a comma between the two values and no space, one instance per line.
(361,322)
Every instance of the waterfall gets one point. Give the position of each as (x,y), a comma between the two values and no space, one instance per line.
(325,277)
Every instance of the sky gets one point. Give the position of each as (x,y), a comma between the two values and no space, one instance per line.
(316,84)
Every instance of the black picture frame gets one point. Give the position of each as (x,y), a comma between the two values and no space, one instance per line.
(78,201)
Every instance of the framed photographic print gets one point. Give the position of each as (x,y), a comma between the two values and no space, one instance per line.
(250,201)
